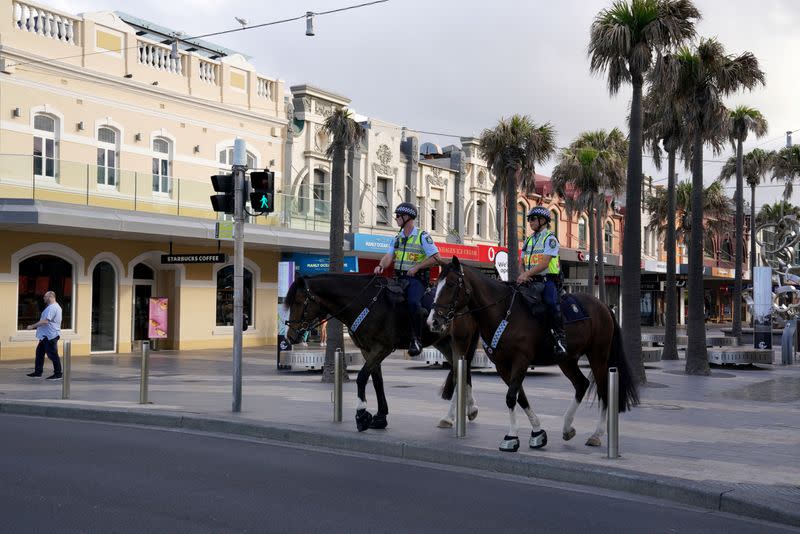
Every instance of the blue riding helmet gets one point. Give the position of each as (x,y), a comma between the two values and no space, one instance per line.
(539,211)
(406,208)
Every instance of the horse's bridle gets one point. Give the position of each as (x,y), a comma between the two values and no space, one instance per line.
(454,306)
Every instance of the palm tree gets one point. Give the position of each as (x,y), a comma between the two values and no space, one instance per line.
(344,133)
(743,121)
(698,79)
(623,40)
(594,164)
(512,149)
(663,122)
(773,213)
(786,166)
(755,165)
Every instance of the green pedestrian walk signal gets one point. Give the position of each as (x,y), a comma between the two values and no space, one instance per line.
(262,197)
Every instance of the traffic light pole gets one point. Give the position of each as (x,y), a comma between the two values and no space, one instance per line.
(239,169)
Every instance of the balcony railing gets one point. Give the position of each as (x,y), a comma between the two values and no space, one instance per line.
(42,21)
(24,176)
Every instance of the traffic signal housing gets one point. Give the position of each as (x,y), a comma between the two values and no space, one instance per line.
(223,183)
(262,196)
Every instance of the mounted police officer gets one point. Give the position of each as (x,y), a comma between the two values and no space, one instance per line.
(413,253)
(540,264)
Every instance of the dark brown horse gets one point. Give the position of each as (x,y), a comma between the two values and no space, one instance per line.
(517,341)
(378,325)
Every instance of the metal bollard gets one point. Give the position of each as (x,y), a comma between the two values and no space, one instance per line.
(67,369)
(788,342)
(337,386)
(613,413)
(461,397)
(145,372)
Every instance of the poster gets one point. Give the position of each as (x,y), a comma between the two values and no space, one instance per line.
(157,323)
(762,308)
(285,279)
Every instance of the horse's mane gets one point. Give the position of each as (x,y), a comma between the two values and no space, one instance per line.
(302,280)
(495,284)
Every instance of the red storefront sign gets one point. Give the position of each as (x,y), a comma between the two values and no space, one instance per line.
(464,252)
(486,253)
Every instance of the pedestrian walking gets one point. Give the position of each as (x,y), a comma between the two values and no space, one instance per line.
(48,332)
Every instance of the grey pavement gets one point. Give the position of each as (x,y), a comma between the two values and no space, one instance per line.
(729,442)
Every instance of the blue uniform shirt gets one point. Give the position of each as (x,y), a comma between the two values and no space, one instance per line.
(427,243)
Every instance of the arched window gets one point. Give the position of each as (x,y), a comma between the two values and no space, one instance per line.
(726,253)
(321,204)
(522,223)
(226,159)
(225,296)
(143,272)
(554,222)
(162,165)
(609,238)
(44,147)
(38,275)
(582,232)
(479,216)
(107,150)
(708,246)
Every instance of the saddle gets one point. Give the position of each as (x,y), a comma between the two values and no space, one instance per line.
(571,310)
(396,293)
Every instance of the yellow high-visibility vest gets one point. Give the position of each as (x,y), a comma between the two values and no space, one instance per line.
(408,251)
(533,250)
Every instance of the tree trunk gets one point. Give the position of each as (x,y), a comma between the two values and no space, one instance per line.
(498,217)
(601,262)
(752,240)
(592,249)
(632,241)
(696,354)
(739,223)
(511,225)
(335,333)
(670,351)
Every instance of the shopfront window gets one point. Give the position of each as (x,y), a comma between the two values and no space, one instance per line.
(225,296)
(37,276)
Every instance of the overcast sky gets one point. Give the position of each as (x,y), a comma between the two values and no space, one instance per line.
(457,66)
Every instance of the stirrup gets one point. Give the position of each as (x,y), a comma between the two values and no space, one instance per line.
(415,347)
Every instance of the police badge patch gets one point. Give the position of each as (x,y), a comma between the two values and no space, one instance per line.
(552,242)
(428,239)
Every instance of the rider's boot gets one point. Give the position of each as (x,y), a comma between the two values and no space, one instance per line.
(415,347)
(559,338)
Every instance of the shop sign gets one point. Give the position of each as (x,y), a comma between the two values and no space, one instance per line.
(487,253)
(372,243)
(650,285)
(316,263)
(610,280)
(654,266)
(722,272)
(464,252)
(193,258)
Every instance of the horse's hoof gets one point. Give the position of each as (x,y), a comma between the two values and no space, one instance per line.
(472,413)
(593,441)
(363,419)
(538,439)
(569,434)
(379,422)
(509,444)
(445,423)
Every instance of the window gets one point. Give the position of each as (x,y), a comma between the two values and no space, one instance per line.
(225,296)
(646,241)
(107,157)
(38,275)
(321,205)
(226,159)
(479,215)
(708,246)
(554,223)
(609,238)
(522,224)
(143,272)
(302,196)
(449,216)
(384,210)
(434,227)
(582,232)
(161,165)
(726,253)
(44,147)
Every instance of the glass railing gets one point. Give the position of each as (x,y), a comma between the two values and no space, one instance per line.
(24,176)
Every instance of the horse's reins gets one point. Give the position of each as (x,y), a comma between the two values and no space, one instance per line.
(306,326)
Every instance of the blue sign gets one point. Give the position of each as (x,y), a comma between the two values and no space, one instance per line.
(319,263)
(372,243)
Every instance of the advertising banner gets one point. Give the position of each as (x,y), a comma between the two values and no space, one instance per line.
(285,279)
(762,308)
(157,323)
(372,243)
(464,252)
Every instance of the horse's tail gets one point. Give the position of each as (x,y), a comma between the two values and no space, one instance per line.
(628,394)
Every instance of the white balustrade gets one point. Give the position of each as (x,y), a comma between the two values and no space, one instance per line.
(46,23)
(265,88)
(209,72)
(158,57)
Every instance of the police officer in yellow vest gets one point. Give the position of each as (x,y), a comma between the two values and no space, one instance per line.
(413,253)
(540,263)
